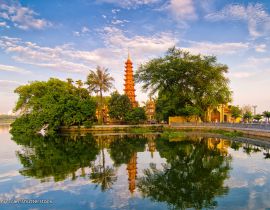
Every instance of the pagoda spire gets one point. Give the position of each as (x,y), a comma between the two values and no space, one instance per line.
(129,86)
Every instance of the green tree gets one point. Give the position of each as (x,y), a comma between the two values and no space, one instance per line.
(236,112)
(119,106)
(247,116)
(135,116)
(186,79)
(99,81)
(189,111)
(266,114)
(52,104)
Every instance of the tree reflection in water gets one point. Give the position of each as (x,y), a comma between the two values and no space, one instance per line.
(192,177)
(55,156)
(122,149)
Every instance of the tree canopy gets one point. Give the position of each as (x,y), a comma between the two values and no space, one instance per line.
(236,112)
(118,106)
(181,79)
(52,103)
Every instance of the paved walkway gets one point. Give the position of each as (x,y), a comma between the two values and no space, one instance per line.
(243,126)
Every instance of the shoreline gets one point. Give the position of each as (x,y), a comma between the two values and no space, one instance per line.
(249,132)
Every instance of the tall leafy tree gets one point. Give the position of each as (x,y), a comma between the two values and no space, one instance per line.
(186,79)
(135,116)
(119,106)
(52,103)
(99,81)
(236,112)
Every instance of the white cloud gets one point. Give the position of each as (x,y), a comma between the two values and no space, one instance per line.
(22,17)
(13,69)
(260,181)
(130,3)
(9,83)
(141,46)
(114,11)
(257,62)
(66,58)
(261,48)
(113,55)
(183,9)
(241,75)
(3,24)
(117,22)
(211,48)
(257,18)
(83,31)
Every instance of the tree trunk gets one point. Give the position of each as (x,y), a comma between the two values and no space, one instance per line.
(101,106)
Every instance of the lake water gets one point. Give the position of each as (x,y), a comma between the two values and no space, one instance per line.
(132,172)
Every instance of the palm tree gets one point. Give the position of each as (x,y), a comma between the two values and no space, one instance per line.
(99,81)
(247,116)
(103,175)
(267,115)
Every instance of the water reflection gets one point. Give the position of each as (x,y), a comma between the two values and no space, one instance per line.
(55,156)
(192,174)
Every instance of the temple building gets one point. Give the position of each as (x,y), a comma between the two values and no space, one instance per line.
(150,109)
(129,85)
(219,114)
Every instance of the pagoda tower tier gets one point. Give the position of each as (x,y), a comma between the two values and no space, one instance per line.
(129,85)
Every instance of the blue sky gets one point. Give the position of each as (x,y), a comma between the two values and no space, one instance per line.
(60,38)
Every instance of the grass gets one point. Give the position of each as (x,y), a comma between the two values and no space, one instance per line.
(138,130)
(174,134)
(230,134)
